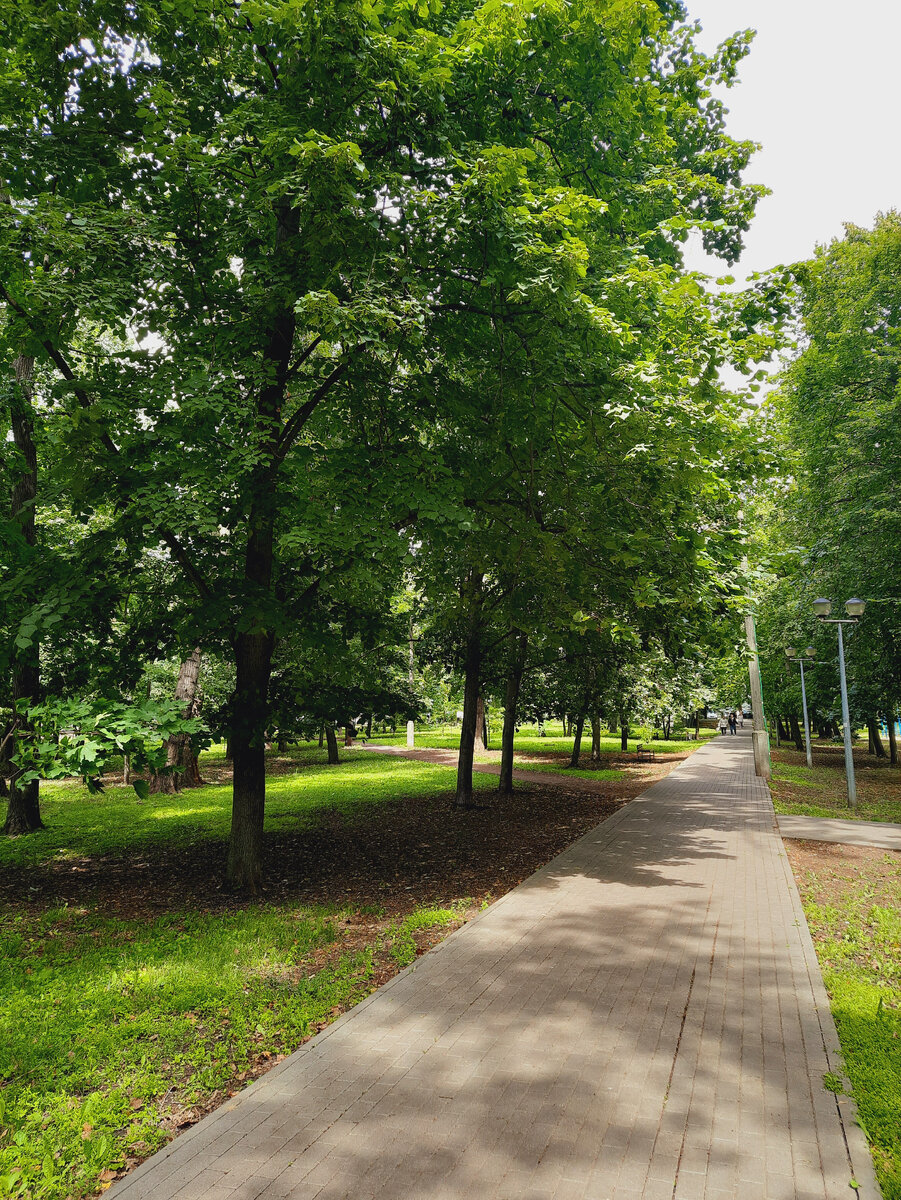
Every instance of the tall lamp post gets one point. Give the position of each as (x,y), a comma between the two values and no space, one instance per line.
(854,608)
(808,654)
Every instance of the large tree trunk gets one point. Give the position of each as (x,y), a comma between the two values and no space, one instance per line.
(876,740)
(596,737)
(332,742)
(892,737)
(23,814)
(472,592)
(253,662)
(577,738)
(179,751)
(511,699)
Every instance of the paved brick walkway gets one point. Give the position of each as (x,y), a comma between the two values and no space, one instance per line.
(643,1018)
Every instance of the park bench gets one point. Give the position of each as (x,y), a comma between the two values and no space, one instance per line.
(645,754)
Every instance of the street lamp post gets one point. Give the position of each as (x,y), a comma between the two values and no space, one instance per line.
(854,608)
(800,659)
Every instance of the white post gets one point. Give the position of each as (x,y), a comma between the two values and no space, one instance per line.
(806,720)
(759,734)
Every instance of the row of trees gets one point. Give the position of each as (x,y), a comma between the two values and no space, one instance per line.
(312,309)
(829,523)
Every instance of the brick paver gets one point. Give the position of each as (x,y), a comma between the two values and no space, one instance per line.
(643,1018)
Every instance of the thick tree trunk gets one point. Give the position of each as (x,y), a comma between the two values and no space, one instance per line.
(577,739)
(623,737)
(23,813)
(892,738)
(472,592)
(596,737)
(877,747)
(511,699)
(253,662)
(797,735)
(332,741)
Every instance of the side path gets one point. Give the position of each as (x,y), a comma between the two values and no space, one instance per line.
(642,1018)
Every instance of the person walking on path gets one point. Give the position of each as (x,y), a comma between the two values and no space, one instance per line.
(723,724)
(733,722)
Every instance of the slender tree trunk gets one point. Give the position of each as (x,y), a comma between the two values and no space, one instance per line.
(797,735)
(623,735)
(697,724)
(479,743)
(596,737)
(472,592)
(23,813)
(368,726)
(321,735)
(511,699)
(877,747)
(892,737)
(180,752)
(332,741)
(577,738)
(350,732)
(229,756)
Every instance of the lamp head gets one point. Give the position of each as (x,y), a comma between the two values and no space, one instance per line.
(810,652)
(855,607)
(822,607)
(790,652)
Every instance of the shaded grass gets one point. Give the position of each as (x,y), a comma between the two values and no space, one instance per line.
(852,900)
(528,743)
(601,773)
(822,790)
(82,825)
(111,1030)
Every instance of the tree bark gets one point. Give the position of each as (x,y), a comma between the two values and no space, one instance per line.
(511,699)
(321,735)
(797,735)
(480,744)
(577,738)
(892,738)
(350,732)
(623,737)
(596,737)
(179,751)
(23,813)
(332,741)
(472,592)
(878,748)
(253,662)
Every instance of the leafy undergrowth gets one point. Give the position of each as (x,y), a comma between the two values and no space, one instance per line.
(139,994)
(822,791)
(852,898)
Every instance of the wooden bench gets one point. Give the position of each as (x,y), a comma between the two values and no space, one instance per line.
(645,754)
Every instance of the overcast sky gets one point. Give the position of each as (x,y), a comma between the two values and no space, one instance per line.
(821,90)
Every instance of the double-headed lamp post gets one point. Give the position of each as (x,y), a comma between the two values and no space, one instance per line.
(854,608)
(794,657)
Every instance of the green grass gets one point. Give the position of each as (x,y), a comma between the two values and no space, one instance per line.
(110,1027)
(822,791)
(99,1018)
(531,743)
(857,930)
(79,825)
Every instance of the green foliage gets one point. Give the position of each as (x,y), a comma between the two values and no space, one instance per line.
(81,737)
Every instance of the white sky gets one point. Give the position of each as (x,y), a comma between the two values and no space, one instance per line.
(821,90)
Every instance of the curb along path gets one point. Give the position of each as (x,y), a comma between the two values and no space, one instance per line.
(642,1019)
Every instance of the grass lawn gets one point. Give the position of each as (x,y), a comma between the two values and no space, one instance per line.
(138,995)
(822,791)
(852,898)
(527,741)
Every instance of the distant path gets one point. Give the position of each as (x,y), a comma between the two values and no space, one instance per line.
(642,1019)
(831,829)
